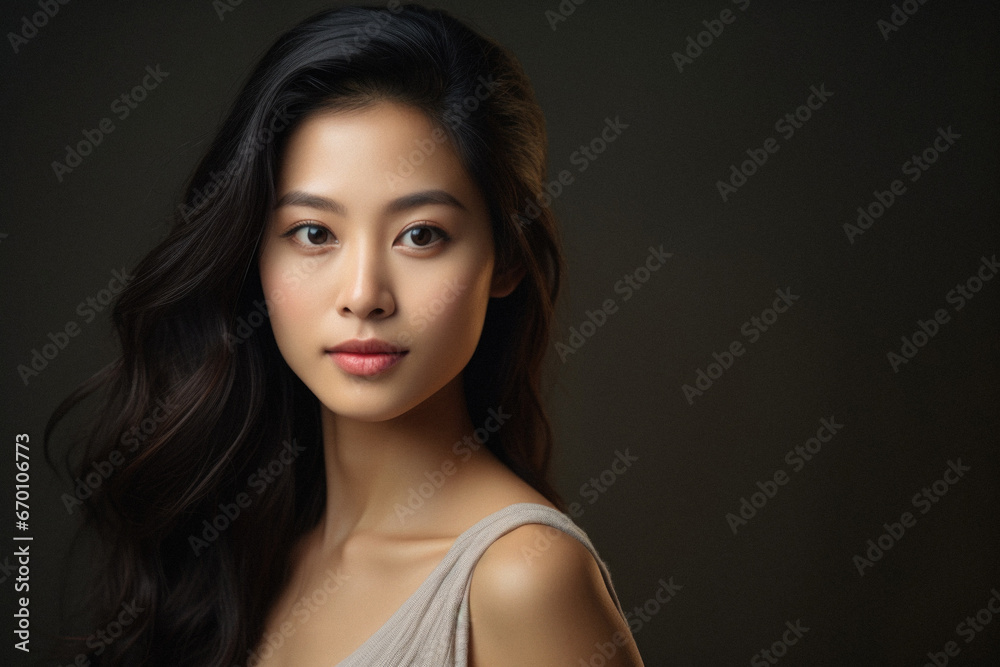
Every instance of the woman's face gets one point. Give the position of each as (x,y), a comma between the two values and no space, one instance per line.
(378,234)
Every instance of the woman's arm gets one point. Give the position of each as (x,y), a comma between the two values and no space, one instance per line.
(537,598)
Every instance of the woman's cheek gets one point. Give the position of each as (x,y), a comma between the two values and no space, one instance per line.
(462,310)
(429,303)
(287,303)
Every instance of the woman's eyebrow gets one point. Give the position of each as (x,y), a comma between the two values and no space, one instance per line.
(403,203)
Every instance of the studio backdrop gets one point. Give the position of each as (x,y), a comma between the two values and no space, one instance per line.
(773,377)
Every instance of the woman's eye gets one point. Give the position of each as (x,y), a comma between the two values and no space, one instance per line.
(312,235)
(423,236)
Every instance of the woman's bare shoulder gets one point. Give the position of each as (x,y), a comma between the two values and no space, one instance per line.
(538,597)
(537,594)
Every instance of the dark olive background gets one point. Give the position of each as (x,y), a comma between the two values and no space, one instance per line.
(621,391)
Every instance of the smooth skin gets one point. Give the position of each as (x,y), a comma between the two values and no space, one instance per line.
(354,249)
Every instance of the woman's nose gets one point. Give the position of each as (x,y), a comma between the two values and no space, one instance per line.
(365,291)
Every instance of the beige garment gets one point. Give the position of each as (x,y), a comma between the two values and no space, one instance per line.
(431,629)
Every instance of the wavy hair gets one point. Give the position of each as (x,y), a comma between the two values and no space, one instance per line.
(200,400)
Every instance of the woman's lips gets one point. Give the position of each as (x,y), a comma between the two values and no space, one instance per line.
(357,363)
(366,356)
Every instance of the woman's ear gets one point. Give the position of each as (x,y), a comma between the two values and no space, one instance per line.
(504,282)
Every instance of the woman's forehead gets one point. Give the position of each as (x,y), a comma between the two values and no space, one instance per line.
(376,154)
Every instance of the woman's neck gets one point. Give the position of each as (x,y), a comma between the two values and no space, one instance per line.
(372,467)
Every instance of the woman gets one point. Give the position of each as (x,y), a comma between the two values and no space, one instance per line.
(342,340)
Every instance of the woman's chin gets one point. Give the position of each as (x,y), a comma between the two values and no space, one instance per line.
(370,409)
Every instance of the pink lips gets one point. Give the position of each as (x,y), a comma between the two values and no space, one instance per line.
(366,357)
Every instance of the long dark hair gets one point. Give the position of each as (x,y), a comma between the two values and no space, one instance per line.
(200,400)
